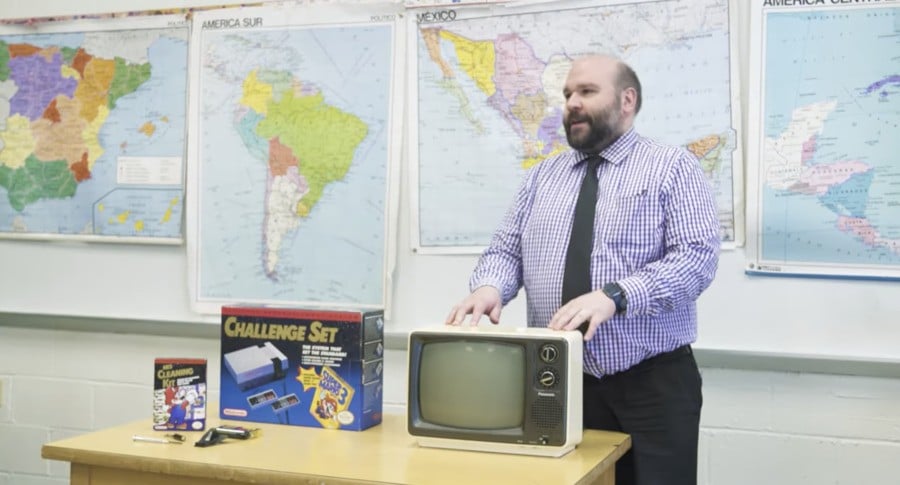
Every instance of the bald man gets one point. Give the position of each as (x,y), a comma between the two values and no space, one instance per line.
(616,237)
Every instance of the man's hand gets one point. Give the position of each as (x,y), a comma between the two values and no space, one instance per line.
(594,307)
(484,300)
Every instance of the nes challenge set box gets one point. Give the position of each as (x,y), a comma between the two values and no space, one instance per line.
(304,367)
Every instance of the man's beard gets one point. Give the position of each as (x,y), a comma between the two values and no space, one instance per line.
(602,130)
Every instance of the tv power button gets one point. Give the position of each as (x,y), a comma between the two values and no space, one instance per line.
(548,353)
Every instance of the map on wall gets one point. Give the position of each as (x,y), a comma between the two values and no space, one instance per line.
(826,137)
(92,129)
(489,104)
(294,140)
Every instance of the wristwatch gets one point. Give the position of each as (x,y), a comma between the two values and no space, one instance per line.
(617,295)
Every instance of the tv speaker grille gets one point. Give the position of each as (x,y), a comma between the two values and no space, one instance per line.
(547,413)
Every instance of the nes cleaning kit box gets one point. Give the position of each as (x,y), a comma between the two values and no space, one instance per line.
(305,367)
(179,394)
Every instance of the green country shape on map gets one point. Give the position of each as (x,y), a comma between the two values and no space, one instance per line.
(322,137)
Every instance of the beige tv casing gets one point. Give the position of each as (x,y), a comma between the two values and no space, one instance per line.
(565,388)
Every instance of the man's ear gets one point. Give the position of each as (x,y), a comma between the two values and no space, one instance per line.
(629,100)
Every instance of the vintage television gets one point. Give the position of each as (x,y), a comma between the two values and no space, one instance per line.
(487,388)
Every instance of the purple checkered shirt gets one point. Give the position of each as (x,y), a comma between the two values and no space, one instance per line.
(656,233)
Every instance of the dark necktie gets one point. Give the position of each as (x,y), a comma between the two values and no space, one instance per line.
(577,273)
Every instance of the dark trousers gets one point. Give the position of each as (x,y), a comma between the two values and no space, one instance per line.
(658,403)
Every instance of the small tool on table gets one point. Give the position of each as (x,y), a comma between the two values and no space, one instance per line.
(218,434)
(168,440)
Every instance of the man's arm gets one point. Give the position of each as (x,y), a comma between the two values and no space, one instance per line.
(497,277)
(692,242)
(500,264)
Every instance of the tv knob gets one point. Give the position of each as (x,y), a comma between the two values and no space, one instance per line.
(547,378)
(549,353)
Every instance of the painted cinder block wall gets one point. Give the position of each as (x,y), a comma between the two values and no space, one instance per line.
(757,426)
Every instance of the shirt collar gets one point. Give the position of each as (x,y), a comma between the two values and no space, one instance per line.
(616,152)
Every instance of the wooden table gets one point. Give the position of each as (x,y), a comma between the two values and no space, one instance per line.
(299,455)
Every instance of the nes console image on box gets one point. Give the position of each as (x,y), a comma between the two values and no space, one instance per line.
(256,365)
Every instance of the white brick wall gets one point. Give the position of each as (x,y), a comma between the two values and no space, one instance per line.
(758,427)
(793,428)
(4,396)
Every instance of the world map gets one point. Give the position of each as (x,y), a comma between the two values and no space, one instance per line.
(829,190)
(293,132)
(92,133)
(489,101)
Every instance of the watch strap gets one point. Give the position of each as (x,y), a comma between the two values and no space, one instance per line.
(617,295)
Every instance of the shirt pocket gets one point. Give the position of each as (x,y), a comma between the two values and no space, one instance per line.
(634,219)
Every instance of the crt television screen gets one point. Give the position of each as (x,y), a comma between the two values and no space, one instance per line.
(473,384)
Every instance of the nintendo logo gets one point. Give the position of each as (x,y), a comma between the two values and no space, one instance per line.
(241,413)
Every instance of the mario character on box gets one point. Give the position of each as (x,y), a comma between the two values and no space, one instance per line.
(305,367)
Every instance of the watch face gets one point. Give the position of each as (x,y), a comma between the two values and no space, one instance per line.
(612,290)
(615,293)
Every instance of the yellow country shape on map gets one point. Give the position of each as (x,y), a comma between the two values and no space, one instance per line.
(91,136)
(477,59)
(17,141)
(256,94)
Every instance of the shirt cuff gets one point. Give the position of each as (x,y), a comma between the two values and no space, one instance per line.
(496,283)
(636,295)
